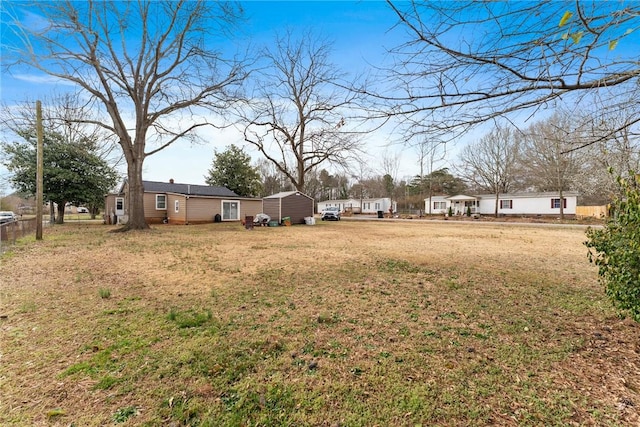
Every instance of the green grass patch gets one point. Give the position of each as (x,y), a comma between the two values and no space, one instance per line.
(190,318)
(106,382)
(123,414)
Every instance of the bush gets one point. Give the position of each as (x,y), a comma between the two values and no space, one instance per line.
(615,249)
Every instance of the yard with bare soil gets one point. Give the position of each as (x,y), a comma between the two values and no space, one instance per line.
(350,323)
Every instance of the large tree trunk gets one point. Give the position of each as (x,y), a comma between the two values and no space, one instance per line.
(61,207)
(301,166)
(136,219)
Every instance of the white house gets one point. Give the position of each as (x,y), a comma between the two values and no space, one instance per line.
(508,204)
(369,206)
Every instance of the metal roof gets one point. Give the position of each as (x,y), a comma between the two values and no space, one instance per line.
(284,194)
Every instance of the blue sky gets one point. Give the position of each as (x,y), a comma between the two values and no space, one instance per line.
(359,31)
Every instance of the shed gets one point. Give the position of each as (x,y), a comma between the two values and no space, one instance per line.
(293,204)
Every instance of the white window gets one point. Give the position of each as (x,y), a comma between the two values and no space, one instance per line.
(176,205)
(439,205)
(161,202)
(230,210)
(377,206)
(506,204)
(119,204)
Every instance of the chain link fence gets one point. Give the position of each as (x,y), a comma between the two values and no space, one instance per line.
(12,231)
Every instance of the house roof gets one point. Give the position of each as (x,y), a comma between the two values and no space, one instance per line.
(187,189)
(369,199)
(460,197)
(338,201)
(520,195)
(526,195)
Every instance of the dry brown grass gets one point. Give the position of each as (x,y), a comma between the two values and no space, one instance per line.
(349,323)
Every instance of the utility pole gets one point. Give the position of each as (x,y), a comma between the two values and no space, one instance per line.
(39,170)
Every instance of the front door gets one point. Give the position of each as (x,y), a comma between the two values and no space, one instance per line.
(119,207)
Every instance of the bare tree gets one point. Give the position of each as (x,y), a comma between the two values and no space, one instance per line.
(491,163)
(390,167)
(468,62)
(75,119)
(65,115)
(296,117)
(273,180)
(616,155)
(428,150)
(371,187)
(550,163)
(147,65)
(360,172)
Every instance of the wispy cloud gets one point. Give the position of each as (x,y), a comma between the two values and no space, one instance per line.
(34,21)
(42,79)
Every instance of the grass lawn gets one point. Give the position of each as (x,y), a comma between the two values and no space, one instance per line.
(347,323)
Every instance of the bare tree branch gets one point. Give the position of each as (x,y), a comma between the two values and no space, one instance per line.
(468,62)
(142,61)
(297,117)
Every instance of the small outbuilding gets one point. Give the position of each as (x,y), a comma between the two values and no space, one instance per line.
(292,204)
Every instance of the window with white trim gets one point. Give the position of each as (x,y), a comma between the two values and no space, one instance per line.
(161,202)
(506,204)
(555,203)
(119,204)
(176,206)
(230,210)
(439,205)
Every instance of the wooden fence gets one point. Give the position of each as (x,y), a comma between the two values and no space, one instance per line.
(592,211)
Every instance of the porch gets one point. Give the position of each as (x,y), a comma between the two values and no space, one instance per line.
(461,203)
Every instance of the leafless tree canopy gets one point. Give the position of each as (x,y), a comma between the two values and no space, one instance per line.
(467,62)
(616,155)
(297,114)
(66,115)
(148,64)
(491,163)
(547,162)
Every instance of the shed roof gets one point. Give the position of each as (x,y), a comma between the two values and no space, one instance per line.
(284,194)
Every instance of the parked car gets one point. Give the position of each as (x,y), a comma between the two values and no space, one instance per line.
(7,216)
(332,213)
(82,209)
